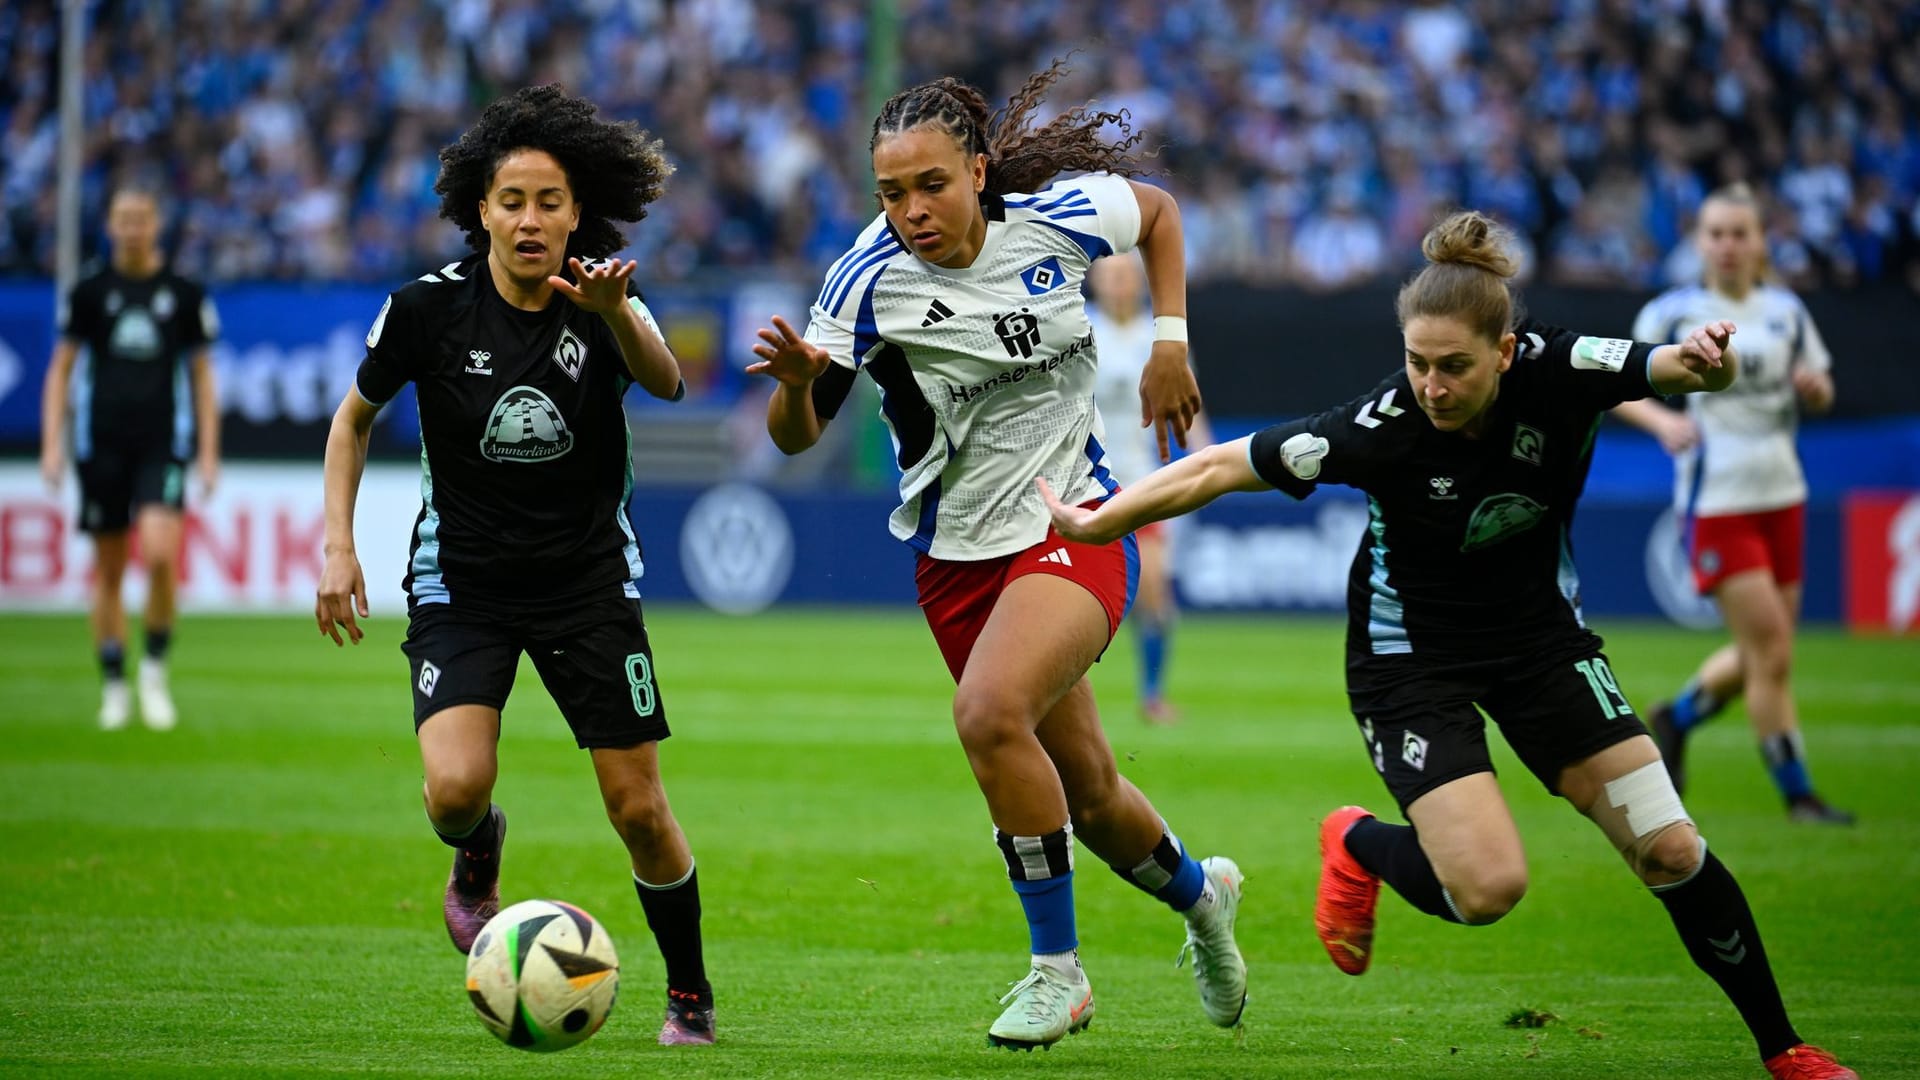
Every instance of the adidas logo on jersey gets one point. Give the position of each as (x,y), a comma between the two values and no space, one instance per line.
(937,313)
(1058,555)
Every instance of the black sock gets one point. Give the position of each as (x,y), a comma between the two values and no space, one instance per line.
(113,661)
(1392,853)
(673,914)
(1717,928)
(479,839)
(157,642)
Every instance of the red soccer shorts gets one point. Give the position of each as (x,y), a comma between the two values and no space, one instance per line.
(1728,544)
(957,597)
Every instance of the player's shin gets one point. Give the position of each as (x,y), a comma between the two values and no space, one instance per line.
(1717,927)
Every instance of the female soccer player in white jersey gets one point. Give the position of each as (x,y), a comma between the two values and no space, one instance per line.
(1123,329)
(1738,482)
(962,301)
(520,355)
(1463,593)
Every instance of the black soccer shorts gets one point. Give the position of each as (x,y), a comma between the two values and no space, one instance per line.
(594,658)
(115,483)
(1422,730)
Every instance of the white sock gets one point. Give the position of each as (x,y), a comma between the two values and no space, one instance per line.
(1064,964)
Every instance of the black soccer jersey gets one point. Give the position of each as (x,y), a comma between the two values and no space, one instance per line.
(1467,551)
(525,452)
(131,389)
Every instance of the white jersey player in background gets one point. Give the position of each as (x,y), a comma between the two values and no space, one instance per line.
(1123,331)
(1739,485)
(962,301)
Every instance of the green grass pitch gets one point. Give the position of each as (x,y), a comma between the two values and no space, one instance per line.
(256,894)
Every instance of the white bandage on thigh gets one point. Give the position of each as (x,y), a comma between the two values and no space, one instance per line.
(1647,797)
(1638,808)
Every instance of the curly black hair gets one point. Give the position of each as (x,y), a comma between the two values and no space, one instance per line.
(615,168)
(1019,158)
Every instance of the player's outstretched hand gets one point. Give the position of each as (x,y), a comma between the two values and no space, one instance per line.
(1705,348)
(788,357)
(601,290)
(1169,395)
(1078,523)
(342,592)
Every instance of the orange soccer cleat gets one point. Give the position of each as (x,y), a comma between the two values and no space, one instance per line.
(1805,1062)
(1343,909)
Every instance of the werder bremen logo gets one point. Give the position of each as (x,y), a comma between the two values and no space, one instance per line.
(1500,516)
(525,426)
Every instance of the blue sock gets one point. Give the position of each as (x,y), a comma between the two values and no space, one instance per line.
(1170,874)
(1041,869)
(1787,762)
(1153,658)
(1049,907)
(1694,706)
(113,661)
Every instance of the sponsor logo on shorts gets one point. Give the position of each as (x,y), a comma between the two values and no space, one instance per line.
(429,678)
(1058,555)
(1413,751)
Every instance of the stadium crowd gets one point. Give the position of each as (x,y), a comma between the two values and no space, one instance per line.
(1310,141)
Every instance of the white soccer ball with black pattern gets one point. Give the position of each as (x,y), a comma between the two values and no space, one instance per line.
(543,975)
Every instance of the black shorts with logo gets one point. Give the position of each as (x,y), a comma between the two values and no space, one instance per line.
(1417,716)
(594,658)
(115,483)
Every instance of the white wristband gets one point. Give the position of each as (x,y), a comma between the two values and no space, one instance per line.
(1170,328)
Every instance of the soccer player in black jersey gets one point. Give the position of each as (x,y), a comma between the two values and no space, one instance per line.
(1464,593)
(143,405)
(520,355)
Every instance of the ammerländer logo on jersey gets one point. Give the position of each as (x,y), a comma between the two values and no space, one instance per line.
(525,426)
(1601,354)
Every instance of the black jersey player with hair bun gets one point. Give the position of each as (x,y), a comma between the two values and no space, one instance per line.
(521,355)
(1463,593)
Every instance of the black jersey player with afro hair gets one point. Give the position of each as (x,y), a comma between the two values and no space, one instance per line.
(521,355)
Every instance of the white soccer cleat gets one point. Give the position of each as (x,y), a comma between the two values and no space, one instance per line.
(156,705)
(116,705)
(1046,1007)
(1217,968)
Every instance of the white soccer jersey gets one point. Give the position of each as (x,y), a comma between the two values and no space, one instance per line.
(1132,451)
(986,373)
(1745,462)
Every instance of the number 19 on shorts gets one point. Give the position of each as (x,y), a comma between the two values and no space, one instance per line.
(1605,689)
(640,681)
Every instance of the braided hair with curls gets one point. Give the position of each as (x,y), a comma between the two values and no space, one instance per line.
(614,167)
(1019,158)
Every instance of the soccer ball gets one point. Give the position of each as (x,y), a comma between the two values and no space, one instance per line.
(543,975)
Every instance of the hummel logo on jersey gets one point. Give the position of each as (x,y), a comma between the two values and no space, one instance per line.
(939,312)
(479,358)
(1058,555)
(1019,331)
(429,678)
(1443,487)
(570,353)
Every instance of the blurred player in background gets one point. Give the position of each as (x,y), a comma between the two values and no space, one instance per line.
(1738,482)
(962,300)
(143,405)
(1123,329)
(1464,594)
(521,355)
